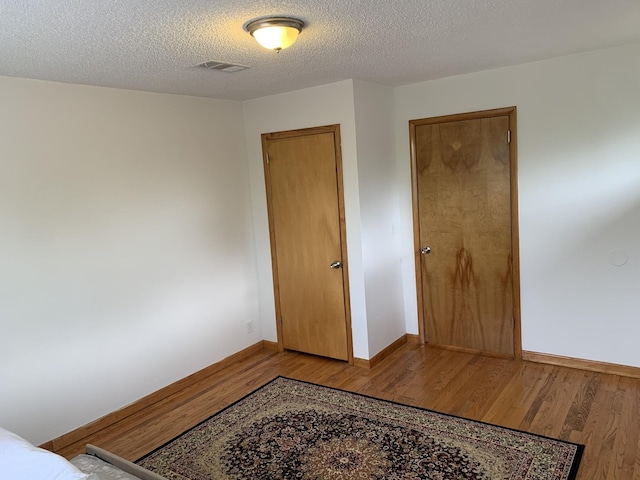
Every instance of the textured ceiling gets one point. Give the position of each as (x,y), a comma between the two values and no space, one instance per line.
(152,44)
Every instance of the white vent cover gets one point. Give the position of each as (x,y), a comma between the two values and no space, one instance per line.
(222,66)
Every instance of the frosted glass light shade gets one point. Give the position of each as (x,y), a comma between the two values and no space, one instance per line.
(275,33)
(276,38)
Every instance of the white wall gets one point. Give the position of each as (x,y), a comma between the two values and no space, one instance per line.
(126,248)
(364,112)
(311,107)
(579,187)
(131,225)
(375,142)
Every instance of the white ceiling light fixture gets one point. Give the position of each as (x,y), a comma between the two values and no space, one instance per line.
(275,33)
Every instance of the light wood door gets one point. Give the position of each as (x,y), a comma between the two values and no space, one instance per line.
(464,233)
(307,238)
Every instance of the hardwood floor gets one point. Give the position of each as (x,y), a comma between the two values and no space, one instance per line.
(599,410)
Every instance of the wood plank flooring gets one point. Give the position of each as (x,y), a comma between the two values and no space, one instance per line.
(599,410)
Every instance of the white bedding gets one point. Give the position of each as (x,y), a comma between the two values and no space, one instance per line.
(20,460)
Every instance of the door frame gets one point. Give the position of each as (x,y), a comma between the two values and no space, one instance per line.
(335,130)
(509,112)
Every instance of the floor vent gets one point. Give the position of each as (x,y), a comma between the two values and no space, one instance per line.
(222,66)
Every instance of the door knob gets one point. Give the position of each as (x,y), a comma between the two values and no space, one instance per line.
(336,264)
(426,250)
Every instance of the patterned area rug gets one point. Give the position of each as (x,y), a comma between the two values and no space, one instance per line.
(289,429)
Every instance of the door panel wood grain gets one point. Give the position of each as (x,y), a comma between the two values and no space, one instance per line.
(305,216)
(463,192)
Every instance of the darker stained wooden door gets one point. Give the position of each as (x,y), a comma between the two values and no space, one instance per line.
(304,196)
(462,180)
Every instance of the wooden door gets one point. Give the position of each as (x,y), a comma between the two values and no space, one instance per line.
(304,197)
(465,227)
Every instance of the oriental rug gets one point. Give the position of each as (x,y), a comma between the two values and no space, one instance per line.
(290,429)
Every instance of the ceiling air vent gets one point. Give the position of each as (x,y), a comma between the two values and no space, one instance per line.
(222,66)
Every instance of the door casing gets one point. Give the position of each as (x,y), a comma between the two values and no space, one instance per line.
(510,112)
(335,130)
